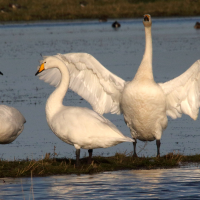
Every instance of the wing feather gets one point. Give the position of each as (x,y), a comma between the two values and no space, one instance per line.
(183,93)
(91,80)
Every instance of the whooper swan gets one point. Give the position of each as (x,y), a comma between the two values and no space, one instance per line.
(144,103)
(11,123)
(80,127)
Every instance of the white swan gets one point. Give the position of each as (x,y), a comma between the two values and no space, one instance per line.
(11,123)
(144,104)
(80,127)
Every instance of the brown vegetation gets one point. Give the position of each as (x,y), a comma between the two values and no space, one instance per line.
(55,166)
(30,10)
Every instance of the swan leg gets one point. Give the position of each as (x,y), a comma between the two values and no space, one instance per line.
(134,148)
(77,157)
(158,147)
(90,156)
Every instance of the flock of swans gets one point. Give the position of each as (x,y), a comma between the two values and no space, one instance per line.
(144,103)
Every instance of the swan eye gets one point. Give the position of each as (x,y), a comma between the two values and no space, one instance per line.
(146,18)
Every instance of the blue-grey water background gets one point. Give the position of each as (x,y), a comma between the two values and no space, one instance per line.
(176,46)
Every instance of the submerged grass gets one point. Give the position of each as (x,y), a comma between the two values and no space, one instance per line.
(26,10)
(56,166)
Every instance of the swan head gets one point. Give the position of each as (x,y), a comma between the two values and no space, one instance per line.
(147,20)
(1,73)
(47,63)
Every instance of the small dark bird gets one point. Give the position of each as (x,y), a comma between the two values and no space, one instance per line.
(116,24)
(197,25)
(103,19)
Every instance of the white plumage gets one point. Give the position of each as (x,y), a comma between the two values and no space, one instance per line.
(76,126)
(144,103)
(11,124)
(182,93)
(91,80)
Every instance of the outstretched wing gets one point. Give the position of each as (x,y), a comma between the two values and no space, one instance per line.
(91,80)
(183,93)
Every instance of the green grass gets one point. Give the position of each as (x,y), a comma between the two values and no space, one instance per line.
(31,10)
(56,166)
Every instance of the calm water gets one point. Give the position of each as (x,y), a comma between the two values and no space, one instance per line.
(176,46)
(182,183)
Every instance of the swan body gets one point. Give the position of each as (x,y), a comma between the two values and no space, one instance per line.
(144,103)
(80,127)
(11,123)
(146,118)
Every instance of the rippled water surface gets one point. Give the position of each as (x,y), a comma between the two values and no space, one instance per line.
(182,183)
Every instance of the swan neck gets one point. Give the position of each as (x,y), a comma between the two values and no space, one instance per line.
(145,69)
(55,100)
(148,46)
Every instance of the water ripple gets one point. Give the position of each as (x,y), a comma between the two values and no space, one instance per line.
(181,183)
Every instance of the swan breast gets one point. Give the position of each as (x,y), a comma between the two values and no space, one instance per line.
(144,107)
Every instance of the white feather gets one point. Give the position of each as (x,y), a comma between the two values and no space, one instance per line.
(144,103)
(77,126)
(183,93)
(11,123)
(89,79)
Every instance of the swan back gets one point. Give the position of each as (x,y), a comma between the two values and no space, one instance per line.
(12,124)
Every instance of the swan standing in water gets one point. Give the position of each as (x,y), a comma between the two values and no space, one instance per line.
(11,123)
(146,117)
(144,103)
(80,127)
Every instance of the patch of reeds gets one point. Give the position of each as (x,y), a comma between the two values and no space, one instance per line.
(25,10)
(120,161)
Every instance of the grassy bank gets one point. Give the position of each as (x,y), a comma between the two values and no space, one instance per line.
(30,10)
(56,166)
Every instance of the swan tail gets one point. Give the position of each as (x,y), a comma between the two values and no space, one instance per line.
(117,140)
(107,142)
(128,139)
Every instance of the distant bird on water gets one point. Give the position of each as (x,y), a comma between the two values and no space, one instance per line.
(103,19)
(197,25)
(116,24)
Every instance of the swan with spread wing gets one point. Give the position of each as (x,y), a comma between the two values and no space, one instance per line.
(80,127)
(144,103)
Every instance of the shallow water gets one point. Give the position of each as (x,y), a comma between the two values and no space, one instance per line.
(176,46)
(181,183)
